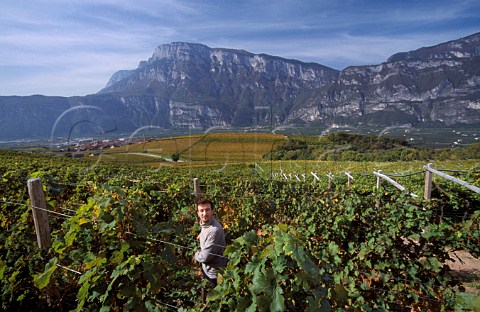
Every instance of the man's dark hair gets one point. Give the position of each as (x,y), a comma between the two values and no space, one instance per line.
(203,201)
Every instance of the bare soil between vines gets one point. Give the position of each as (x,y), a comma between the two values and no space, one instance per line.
(466,267)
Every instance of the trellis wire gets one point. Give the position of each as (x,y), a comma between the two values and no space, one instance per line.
(28,205)
(185,247)
(176,245)
(180,246)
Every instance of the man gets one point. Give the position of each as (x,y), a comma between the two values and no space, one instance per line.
(212,242)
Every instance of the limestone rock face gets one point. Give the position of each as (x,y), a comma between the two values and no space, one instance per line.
(431,84)
(229,87)
(186,85)
(399,92)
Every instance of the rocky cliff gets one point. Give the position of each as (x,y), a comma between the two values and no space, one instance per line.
(400,92)
(186,85)
(433,84)
(198,86)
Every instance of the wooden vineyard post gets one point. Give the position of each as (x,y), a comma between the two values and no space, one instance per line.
(379,180)
(349,179)
(315,176)
(453,179)
(330,177)
(428,183)
(379,184)
(197,191)
(40,216)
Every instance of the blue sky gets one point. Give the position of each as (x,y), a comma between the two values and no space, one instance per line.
(72,47)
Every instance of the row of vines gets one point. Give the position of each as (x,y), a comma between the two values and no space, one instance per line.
(124,239)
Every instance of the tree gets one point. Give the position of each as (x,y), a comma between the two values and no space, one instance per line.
(175,157)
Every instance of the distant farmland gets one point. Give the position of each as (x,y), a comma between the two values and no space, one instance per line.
(214,147)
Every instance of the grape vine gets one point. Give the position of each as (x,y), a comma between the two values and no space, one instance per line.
(292,245)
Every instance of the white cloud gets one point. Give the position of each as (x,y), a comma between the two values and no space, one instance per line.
(73,47)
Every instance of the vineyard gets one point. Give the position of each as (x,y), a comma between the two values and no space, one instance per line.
(209,147)
(301,236)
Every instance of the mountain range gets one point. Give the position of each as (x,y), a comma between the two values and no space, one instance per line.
(192,86)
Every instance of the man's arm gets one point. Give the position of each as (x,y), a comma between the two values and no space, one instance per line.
(209,251)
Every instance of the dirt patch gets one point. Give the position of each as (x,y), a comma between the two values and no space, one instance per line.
(466,268)
(464,262)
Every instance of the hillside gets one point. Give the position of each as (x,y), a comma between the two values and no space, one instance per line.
(192,86)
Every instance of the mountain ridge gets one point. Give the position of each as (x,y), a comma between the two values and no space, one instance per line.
(469,47)
(192,86)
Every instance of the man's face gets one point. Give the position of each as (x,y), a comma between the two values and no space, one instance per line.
(204,212)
